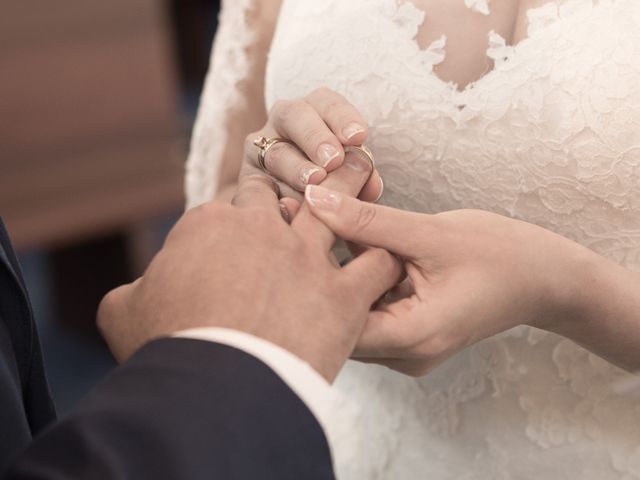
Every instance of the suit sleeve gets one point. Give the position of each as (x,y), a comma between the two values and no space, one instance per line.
(316,393)
(184,409)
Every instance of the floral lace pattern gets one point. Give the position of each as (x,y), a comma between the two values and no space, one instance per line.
(481,6)
(229,65)
(550,136)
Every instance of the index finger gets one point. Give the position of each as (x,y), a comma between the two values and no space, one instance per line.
(348,179)
(257,191)
(340,115)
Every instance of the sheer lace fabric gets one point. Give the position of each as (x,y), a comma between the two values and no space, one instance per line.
(550,136)
(481,6)
(229,65)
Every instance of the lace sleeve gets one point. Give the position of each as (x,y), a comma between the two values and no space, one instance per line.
(229,65)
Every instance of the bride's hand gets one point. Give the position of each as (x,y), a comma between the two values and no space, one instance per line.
(318,126)
(471,274)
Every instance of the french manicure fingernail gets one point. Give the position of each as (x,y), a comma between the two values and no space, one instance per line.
(351,130)
(357,162)
(327,153)
(323,198)
(307,174)
(285,213)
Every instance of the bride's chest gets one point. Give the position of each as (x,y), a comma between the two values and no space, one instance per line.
(551,134)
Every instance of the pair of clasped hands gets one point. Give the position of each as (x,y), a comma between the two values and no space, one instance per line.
(422,287)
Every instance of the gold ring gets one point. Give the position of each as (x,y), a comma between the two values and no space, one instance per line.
(364,152)
(264,144)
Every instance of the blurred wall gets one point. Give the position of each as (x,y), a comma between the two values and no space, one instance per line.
(96,104)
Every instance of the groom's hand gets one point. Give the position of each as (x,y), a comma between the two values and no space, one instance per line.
(243,267)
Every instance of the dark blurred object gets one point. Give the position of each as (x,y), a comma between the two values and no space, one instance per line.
(195,23)
(78,262)
(88,118)
(93,137)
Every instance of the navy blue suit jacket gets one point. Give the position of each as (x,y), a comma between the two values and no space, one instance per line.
(179,409)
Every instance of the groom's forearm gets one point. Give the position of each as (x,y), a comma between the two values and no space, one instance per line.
(184,409)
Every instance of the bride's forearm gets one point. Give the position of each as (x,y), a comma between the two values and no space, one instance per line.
(606,308)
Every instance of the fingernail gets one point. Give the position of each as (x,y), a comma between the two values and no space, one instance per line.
(352,130)
(381,191)
(357,162)
(327,153)
(307,174)
(285,213)
(323,198)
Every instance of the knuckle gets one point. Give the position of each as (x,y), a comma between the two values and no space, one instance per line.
(190,217)
(208,214)
(348,115)
(335,108)
(321,92)
(248,141)
(249,191)
(290,111)
(105,310)
(404,344)
(417,371)
(208,210)
(316,136)
(278,106)
(364,217)
(382,257)
(429,350)
(389,267)
(256,183)
(276,154)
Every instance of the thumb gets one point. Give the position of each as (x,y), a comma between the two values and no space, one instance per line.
(373,225)
(373,273)
(113,320)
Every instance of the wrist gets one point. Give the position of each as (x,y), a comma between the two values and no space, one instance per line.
(327,363)
(587,282)
(577,273)
(601,309)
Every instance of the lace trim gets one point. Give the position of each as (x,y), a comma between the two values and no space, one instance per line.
(538,18)
(480,6)
(551,136)
(229,65)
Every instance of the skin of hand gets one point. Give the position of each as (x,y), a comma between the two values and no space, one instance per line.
(319,126)
(243,267)
(472,274)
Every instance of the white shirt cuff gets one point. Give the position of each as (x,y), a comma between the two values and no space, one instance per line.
(308,384)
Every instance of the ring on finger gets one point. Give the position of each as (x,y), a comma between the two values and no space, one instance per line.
(364,152)
(264,144)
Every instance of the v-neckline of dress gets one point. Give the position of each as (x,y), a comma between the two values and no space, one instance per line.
(498,50)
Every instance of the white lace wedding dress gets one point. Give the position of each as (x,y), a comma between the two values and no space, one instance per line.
(550,136)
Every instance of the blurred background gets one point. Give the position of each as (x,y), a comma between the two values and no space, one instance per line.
(97,100)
